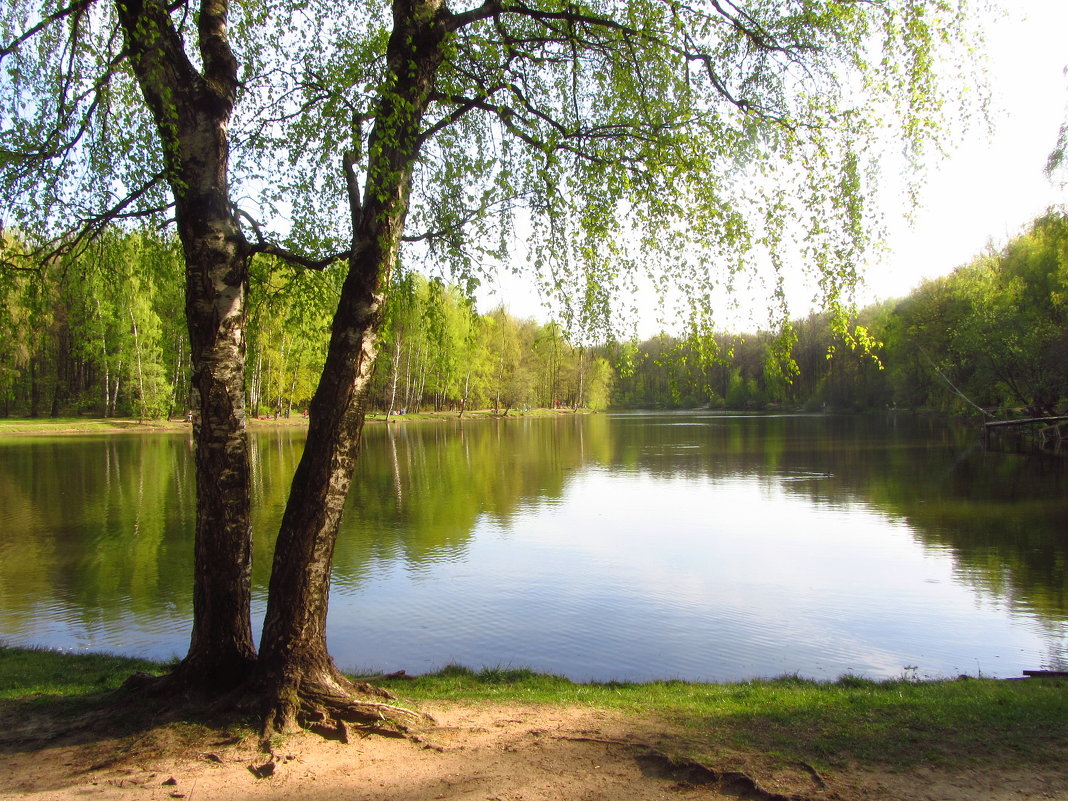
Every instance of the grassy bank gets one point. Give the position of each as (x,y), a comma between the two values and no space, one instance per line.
(44,674)
(55,426)
(894,724)
(85,425)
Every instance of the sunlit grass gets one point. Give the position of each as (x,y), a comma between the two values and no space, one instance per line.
(27,672)
(84,425)
(854,721)
(88,425)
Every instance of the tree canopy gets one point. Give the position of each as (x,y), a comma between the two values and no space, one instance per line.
(604,142)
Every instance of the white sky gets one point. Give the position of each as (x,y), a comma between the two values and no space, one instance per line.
(991,187)
(988,190)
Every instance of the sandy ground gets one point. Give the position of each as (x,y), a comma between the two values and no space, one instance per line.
(475,753)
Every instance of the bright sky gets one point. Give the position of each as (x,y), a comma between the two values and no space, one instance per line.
(989,188)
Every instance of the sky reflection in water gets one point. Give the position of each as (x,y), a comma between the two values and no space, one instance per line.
(631,577)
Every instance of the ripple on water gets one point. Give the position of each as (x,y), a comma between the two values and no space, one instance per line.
(158,633)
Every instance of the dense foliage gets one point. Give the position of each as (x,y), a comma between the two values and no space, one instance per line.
(602,143)
(439,354)
(103,335)
(992,334)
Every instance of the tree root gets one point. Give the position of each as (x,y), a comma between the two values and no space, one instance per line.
(334,707)
(319,710)
(324,702)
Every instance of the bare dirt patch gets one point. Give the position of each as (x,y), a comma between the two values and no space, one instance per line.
(477,752)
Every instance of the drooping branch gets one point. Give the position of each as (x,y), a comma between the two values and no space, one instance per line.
(507,116)
(73,9)
(90,228)
(521,124)
(270,249)
(488,10)
(266,121)
(564,29)
(748,26)
(469,216)
(463,107)
(33,267)
(494,9)
(52,147)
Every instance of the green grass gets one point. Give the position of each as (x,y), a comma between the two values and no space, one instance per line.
(88,425)
(894,724)
(84,425)
(30,672)
(900,723)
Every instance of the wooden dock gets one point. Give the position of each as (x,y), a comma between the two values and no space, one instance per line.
(1052,432)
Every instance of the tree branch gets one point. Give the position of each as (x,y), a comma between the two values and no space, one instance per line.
(271,249)
(741,21)
(465,106)
(220,64)
(89,228)
(74,8)
(489,9)
(470,216)
(7,264)
(52,148)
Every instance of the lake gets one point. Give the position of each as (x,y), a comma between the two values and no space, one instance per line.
(614,546)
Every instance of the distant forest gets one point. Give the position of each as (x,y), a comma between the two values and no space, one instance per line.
(102,333)
(991,334)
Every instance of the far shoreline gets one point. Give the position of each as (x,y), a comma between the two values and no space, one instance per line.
(63,426)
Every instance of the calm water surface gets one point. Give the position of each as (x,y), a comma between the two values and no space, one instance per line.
(624,546)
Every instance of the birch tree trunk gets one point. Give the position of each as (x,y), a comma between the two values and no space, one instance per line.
(192,112)
(294,664)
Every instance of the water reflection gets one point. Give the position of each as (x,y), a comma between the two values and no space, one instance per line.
(95,541)
(612,546)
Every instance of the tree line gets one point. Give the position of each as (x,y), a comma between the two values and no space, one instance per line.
(992,335)
(103,334)
(438,353)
